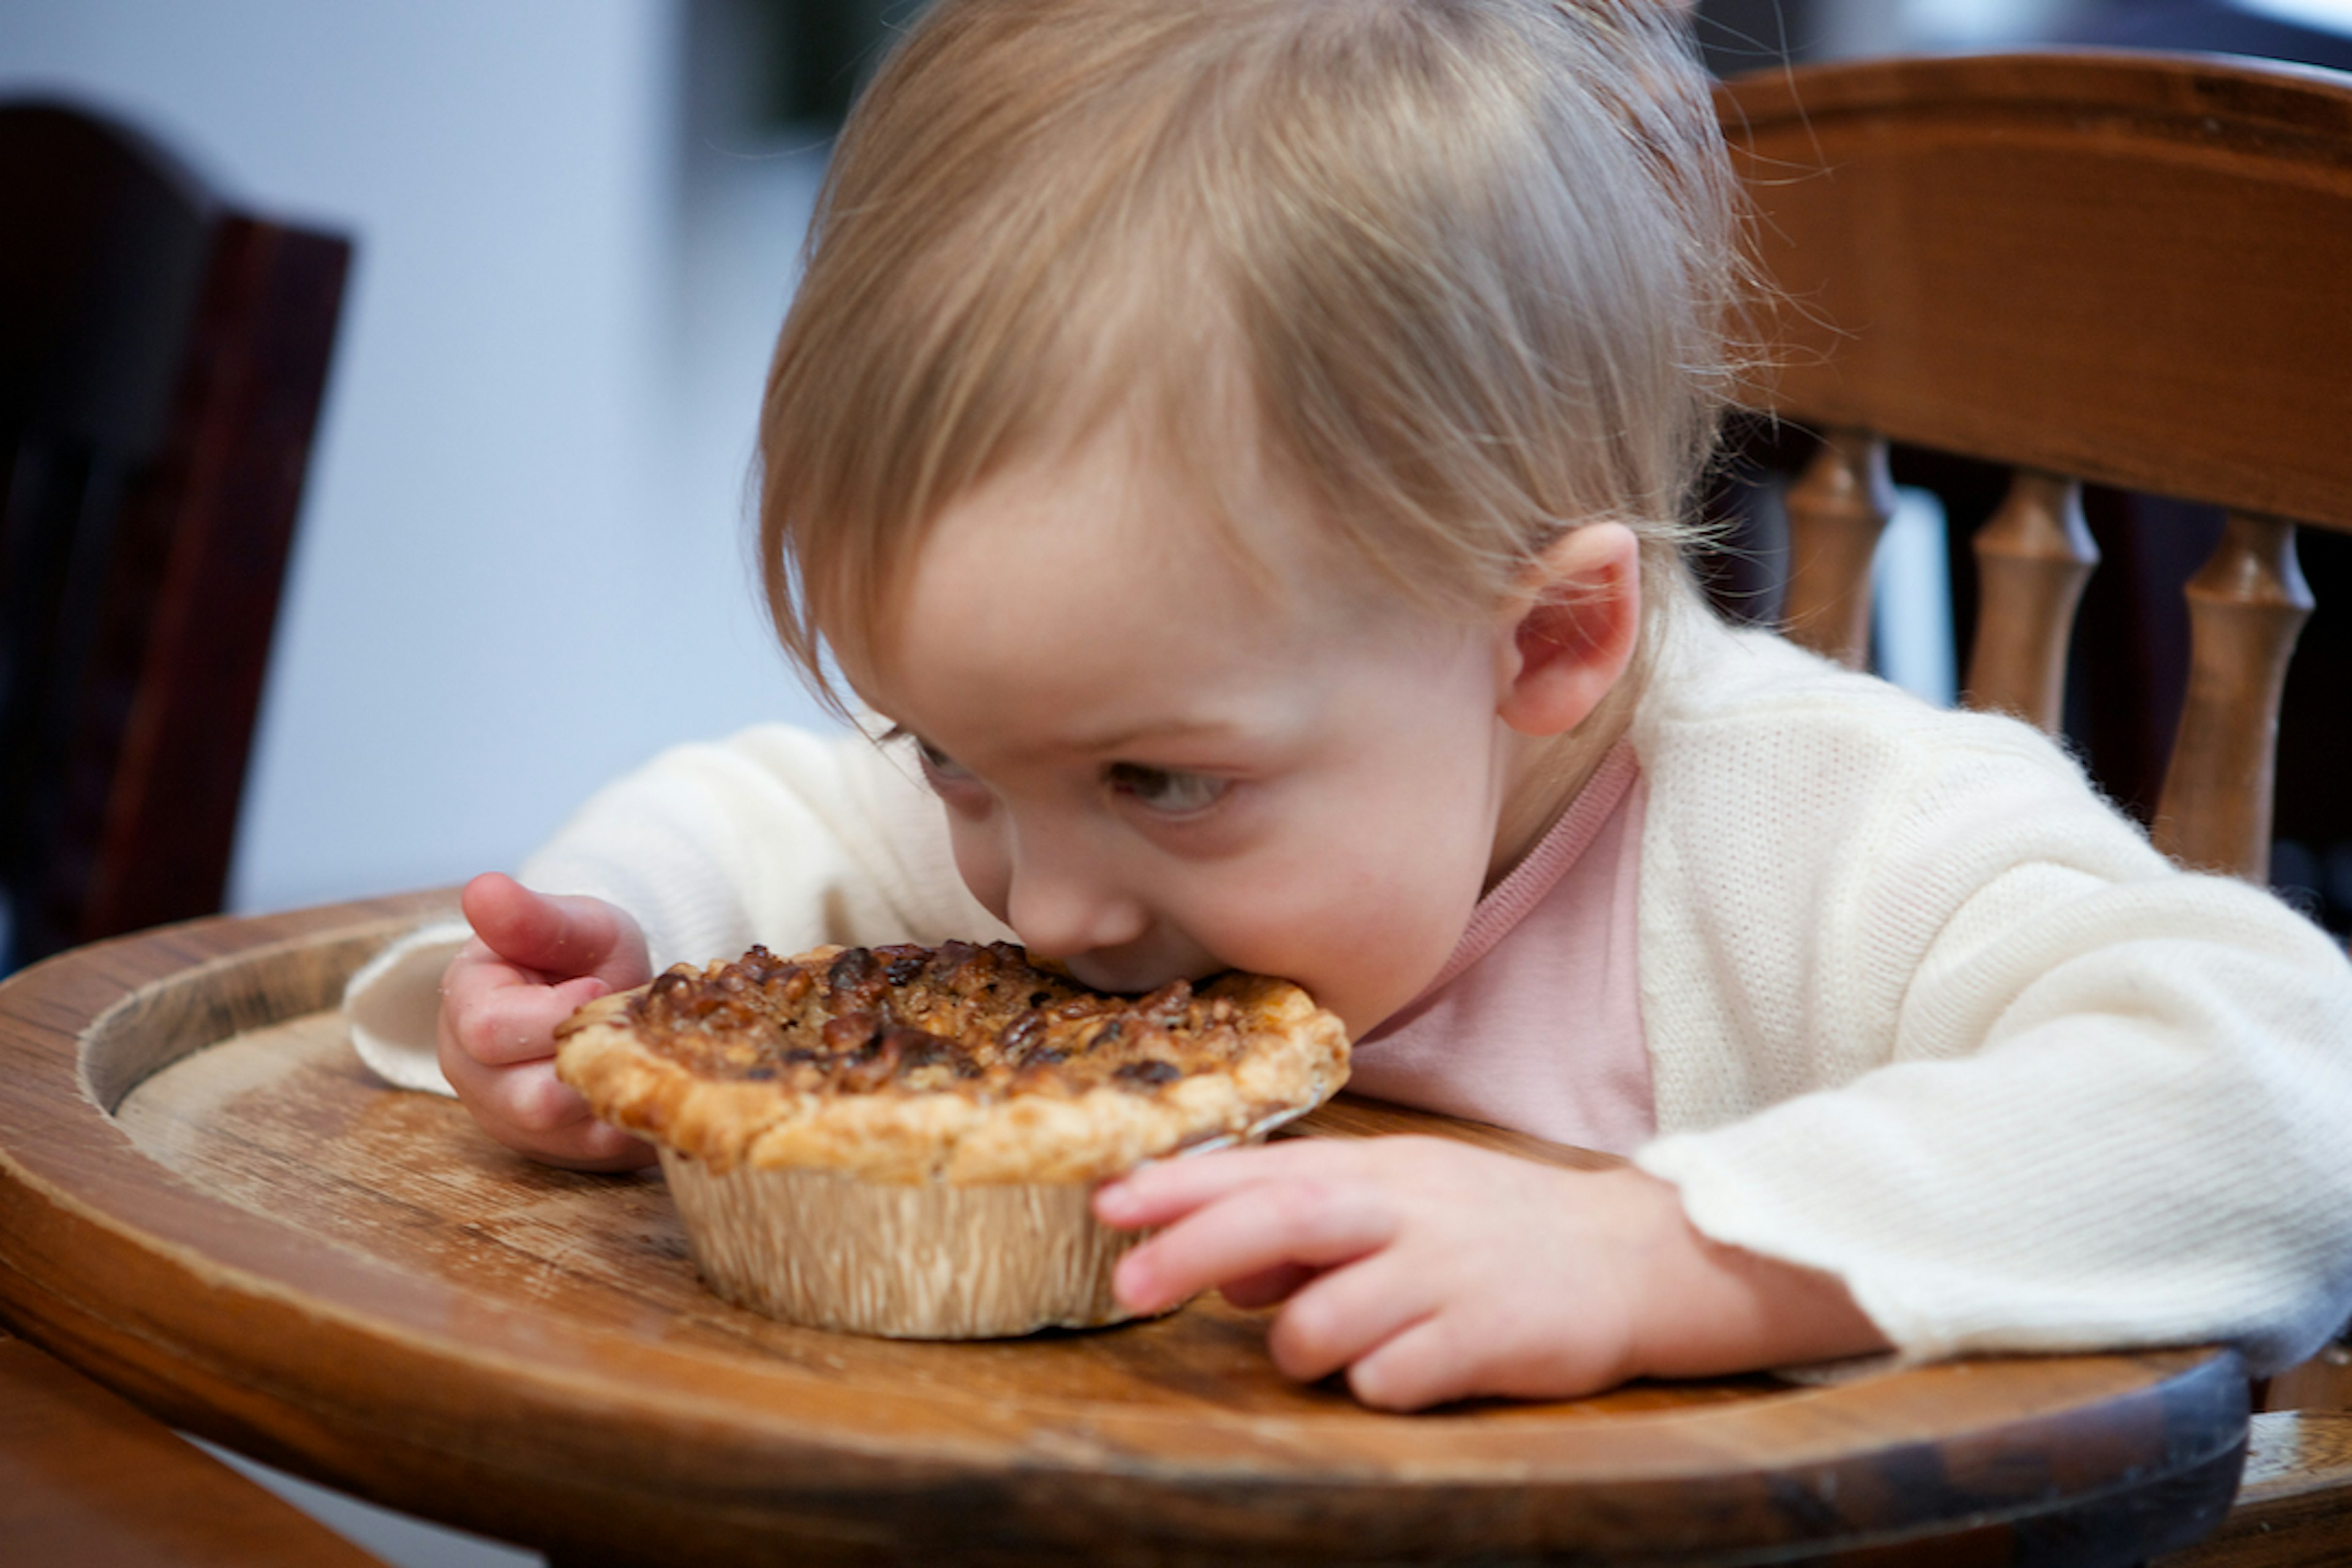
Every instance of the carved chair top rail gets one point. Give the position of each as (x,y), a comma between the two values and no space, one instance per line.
(2130,268)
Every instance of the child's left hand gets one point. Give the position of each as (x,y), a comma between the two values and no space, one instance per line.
(1432,1271)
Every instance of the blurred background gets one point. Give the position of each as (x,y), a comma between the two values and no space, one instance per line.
(521,563)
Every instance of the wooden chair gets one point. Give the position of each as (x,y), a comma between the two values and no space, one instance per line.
(161,363)
(2130,269)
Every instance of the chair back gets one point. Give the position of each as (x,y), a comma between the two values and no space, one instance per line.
(161,361)
(2128,269)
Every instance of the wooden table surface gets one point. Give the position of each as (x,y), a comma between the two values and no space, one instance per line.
(208,1206)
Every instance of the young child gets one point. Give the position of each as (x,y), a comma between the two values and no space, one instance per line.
(1236,453)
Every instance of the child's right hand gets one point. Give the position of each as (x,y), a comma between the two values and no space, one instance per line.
(532,961)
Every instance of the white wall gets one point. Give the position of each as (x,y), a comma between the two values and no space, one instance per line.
(519,566)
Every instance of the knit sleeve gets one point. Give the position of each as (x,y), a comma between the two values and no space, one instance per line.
(2032,1089)
(772,836)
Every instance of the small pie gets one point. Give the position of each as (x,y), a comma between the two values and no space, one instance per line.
(904,1140)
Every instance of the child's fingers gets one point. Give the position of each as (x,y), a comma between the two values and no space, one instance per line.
(1249,1231)
(557,936)
(1346,1314)
(1548,1350)
(533,1112)
(499,1023)
(1165,1193)
(1425,1364)
(598,1146)
(520,1105)
(1267,1286)
(551,1118)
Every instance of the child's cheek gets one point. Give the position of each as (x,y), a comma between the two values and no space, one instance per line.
(1383,927)
(982,861)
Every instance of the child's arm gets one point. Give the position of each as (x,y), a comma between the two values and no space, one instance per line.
(532,960)
(774,836)
(1431,1270)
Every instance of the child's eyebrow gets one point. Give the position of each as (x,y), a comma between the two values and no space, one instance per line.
(1110,741)
(1170,730)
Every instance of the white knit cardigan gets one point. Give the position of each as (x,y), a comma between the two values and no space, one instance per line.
(1922,1010)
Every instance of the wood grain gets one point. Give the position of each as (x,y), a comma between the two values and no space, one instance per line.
(2323,1382)
(2290,1511)
(206,1203)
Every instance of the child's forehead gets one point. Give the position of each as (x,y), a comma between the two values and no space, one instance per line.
(1115,519)
(1052,617)
(1108,562)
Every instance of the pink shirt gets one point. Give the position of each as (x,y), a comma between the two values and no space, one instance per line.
(1535,1022)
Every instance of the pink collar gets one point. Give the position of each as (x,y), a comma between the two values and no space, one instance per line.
(1544,866)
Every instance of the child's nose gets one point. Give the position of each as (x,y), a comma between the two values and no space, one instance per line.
(1059,909)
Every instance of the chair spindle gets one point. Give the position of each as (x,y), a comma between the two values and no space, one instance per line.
(1837,508)
(2032,560)
(2246,606)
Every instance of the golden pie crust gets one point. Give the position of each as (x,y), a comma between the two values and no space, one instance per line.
(905,1140)
(963,1064)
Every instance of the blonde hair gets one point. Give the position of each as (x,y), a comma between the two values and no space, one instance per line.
(1468,266)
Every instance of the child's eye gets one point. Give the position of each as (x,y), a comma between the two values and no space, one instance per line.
(938,764)
(1166,790)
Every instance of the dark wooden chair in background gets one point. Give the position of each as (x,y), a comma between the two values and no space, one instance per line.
(162,358)
(2134,270)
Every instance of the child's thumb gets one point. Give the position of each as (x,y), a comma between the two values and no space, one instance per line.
(557,936)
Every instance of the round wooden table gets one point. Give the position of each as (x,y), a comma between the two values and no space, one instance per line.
(208,1204)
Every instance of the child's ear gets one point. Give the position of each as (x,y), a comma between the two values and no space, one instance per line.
(1569,635)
